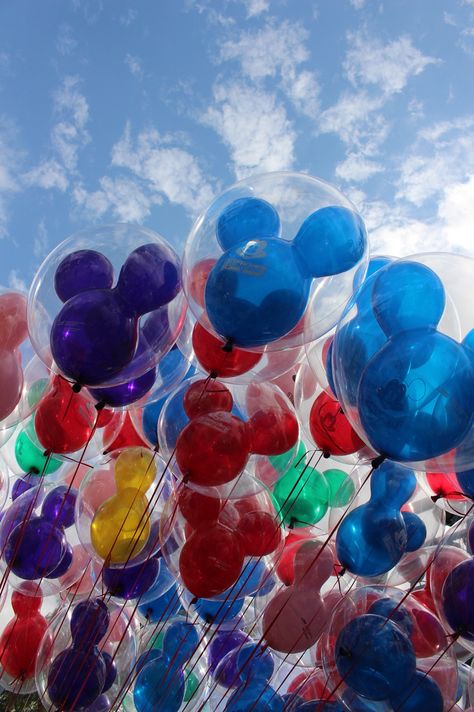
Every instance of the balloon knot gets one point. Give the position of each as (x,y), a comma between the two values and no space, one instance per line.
(100,405)
(228,346)
(76,387)
(194,601)
(213,374)
(376,462)
(326,454)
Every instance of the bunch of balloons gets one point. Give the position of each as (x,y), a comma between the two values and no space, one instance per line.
(242,481)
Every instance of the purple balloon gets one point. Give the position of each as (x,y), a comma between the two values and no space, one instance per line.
(101,704)
(22,485)
(63,566)
(58,506)
(76,678)
(35,548)
(222,644)
(92,338)
(458,599)
(80,271)
(110,671)
(131,581)
(125,393)
(89,623)
(149,278)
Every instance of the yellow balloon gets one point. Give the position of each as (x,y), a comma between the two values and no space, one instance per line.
(121,526)
(135,468)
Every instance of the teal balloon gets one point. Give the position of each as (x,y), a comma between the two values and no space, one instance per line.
(302,496)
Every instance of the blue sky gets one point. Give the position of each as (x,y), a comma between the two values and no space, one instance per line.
(113,110)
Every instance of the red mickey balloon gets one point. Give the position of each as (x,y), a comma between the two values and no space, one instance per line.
(330,429)
(218,361)
(198,509)
(20,641)
(273,432)
(260,532)
(126,437)
(64,420)
(213,449)
(211,561)
(206,396)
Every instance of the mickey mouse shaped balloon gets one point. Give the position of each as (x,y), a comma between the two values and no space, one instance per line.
(106,305)
(288,250)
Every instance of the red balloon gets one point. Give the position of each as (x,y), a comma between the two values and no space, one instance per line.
(207,396)
(285,568)
(213,449)
(215,360)
(330,429)
(273,432)
(64,420)
(126,437)
(197,283)
(104,417)
(445,484)
(21,639)
(198,509)
(428,636)
(211,561)
(260,533)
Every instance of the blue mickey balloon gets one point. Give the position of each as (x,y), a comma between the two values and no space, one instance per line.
(407,295)
(469,340)
(416,531)
(180,642)
(392,610)
(246,219)
(330,241)
(162,605)
(255,664)
(360,547)
(151,413)
(159,687)
(374,657)
(416,396)
(256,293)
(218,612)
(421,695)
(256,699)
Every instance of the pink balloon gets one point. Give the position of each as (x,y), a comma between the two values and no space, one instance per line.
(13,323)
(11,381)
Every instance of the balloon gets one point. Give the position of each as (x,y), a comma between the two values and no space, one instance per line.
(246,219)
(81,271)
(156,687)
(374,657)
(211,561)
(457,598)
(132,581)
(422,694)
(30,457)
(58,506)
(120,527)
(302,494)
(21,638)
(11,382)
(330,429)
(76,678)
(407,295)
(330,240)
(135,468)
(13,324)
(416,396)
(35,548)
(255,293)
(204,397)
(213,449)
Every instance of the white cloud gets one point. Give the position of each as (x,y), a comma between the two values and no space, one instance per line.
(65,44)
(16,282)
(41,241)
(357,4)
(68,136)
(11,158)
(122,197)
(442,155)
(276,52)
(255,128)
(127,17)
(353,118)
(256,7)
(134,66)
(387,66)
(358,168)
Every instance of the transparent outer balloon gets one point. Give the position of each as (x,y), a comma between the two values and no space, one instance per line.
(434,656)
(293,615)
(445,492)
(4,482)
(422,310)
(411,564)
(36,377)
(317,357)
(14,527)
(271,365)
(227,508)
(115,242)
(307,391)
(120,642)
(295,197)
(248,402)
(99,486)
(194,670)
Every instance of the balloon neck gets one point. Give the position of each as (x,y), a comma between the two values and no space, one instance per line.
(100,406)
(377,461)
(76,387)
(228,346)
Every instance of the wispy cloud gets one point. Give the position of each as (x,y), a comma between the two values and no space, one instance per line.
(41,241)
(254,126)
(15,281)
(65,43)
(134,65)
(357,4)
(256,7)
(11,159)
(127,17)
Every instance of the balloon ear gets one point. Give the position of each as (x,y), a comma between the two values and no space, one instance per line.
(330,241)
(80,271)
(313,565)
(13,322)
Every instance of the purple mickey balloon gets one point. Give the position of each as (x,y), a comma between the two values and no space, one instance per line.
(150,278)
(110,671)
(22,485)
(76,678)
(458,599)
(92,338)
(80,271)
(35,548)
(58,506)
(63,566)
(89,623)
(125,393)
(223,643)
(131,581)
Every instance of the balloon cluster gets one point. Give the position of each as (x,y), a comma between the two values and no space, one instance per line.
(242,481)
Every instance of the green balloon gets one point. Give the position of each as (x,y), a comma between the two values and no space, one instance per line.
(341,487)
(36,391)
(302,495)
(30,457)
(158,641)
(280,462)
(192,684)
